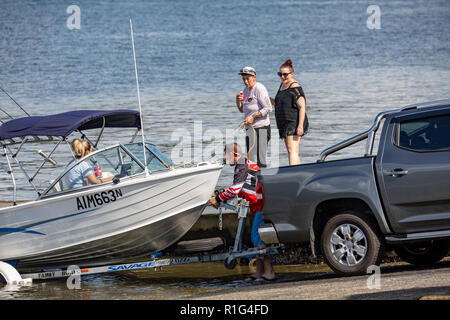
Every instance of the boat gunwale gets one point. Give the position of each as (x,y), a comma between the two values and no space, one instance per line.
(135,179)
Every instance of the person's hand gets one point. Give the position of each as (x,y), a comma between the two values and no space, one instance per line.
(272,102)
(300,131)
(213,202)
(249,120)
(239,102)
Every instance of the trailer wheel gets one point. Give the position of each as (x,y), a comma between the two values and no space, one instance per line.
(423,253)
(230,264)
(351,243)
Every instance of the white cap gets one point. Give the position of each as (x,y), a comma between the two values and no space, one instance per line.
(247,70)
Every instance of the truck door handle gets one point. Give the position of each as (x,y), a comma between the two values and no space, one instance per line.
(396,172)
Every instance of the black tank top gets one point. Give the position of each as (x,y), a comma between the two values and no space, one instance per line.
(286,108)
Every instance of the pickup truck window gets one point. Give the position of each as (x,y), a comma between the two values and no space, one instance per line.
(424,134)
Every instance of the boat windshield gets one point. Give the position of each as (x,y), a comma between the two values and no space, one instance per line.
(107,163)
(156,160)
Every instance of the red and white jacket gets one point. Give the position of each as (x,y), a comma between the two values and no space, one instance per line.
(244,185)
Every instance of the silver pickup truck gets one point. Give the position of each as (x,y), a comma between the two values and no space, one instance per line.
(352,210)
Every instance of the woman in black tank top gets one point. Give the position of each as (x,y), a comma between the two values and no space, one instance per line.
(290,112)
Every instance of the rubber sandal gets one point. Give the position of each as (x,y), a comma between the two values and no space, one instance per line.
(251,278)
(267,279)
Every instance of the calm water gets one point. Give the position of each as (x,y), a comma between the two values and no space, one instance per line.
(188,55)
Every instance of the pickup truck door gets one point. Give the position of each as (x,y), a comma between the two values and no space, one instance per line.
(413,172)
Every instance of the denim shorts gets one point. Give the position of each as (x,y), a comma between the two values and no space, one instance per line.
(257,221)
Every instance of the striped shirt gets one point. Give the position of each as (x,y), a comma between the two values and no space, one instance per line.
(244,185)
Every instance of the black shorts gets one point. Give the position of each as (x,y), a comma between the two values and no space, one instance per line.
(289,128)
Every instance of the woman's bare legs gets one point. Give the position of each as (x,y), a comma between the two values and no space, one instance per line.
(292,146)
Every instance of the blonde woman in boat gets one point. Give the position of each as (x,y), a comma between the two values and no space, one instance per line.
(82,174)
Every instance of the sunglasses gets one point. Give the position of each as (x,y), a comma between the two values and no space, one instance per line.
(283,74)
(234,153)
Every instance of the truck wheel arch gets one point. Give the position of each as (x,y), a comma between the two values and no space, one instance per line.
(328,209)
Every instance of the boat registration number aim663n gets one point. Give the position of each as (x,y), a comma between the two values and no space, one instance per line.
(98,199)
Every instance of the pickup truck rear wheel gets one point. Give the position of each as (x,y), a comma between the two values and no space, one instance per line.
(350,243)
(423,253)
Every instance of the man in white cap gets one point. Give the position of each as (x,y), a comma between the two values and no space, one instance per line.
(255,104)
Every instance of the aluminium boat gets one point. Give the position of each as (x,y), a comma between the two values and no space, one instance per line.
(147,206)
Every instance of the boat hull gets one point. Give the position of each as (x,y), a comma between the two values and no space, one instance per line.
(106,224)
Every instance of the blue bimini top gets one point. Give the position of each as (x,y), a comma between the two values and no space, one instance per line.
(63,124)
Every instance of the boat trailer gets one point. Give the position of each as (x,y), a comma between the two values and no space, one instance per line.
(12,276)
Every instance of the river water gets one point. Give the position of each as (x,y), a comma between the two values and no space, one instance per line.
(351,65)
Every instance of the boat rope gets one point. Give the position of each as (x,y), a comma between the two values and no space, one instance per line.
(239,128)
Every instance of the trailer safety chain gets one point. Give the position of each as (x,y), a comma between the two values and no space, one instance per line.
(220,219)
